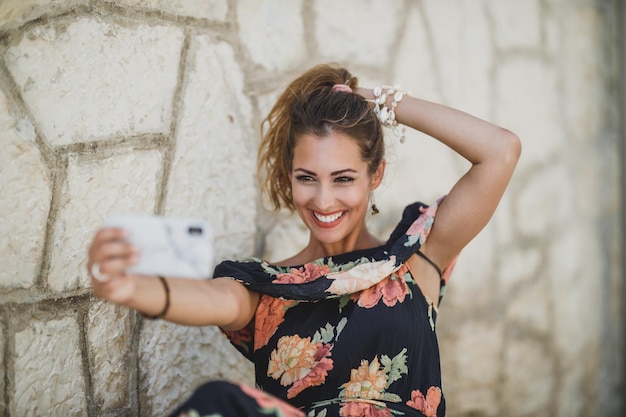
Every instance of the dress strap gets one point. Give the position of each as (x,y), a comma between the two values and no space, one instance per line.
(434,265)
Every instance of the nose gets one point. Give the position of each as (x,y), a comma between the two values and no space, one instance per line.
(324,198)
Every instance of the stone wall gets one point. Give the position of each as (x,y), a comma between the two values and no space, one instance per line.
(155,106)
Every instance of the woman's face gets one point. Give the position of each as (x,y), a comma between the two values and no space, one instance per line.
(331,185)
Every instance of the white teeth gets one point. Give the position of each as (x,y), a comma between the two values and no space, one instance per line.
(328,219)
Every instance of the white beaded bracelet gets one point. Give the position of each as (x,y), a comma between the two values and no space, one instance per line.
(387,115)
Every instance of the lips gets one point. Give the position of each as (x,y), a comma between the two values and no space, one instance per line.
(328,220)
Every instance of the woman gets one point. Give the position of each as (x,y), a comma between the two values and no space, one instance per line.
(346,326)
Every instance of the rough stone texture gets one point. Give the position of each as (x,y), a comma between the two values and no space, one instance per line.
(203,9)
(342,25)
(48,370)
(2,373)
(99,95)
(517,23)
(108,338)
(26,189)
(272,32)
(213,157)
(16,12)
(98,113)
(528,379)
(126,182)
(183,357)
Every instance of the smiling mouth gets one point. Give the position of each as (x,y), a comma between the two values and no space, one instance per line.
(329,218)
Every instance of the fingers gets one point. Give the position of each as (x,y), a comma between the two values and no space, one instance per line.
(110,254)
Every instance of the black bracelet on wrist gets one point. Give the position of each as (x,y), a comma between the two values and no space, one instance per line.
(167,301)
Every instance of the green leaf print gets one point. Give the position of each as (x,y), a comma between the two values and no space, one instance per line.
(343,301)
(328,333)
(342,323)
(394,368)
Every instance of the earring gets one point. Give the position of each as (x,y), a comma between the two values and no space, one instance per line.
(375,210)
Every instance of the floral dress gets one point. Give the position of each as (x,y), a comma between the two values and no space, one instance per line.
(349,335)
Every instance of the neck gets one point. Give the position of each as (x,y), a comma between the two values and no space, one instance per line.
(364,240)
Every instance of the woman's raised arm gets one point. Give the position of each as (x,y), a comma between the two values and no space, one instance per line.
(493,152)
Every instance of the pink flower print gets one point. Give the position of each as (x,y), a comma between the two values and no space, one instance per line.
(392,290)
(269,403)
(427,405)
(309,272)
(361,409)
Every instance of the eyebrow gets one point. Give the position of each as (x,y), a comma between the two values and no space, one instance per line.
(333,174)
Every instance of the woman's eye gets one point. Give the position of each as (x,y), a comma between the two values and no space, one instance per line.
(344,179)
(304,178)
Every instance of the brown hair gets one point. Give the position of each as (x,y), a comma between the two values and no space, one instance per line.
(309,105)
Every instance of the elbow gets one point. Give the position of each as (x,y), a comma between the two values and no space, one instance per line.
(511,147)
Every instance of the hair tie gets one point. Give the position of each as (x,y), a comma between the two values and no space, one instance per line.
(342,87)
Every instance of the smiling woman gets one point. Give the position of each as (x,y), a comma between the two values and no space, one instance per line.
(345,326)
(330,187)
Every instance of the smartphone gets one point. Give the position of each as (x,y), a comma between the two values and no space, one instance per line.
(170,246)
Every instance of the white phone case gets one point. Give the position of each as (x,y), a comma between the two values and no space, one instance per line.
(170,246)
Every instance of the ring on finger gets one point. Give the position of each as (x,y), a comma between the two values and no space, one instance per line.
(95,272)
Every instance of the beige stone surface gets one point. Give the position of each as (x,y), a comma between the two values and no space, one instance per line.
(174,360)
(272,32)
(15,12)
(48,370)
(528,378)
(517,23)
(2,371)
(118,183)
(111,93)
(341,26)
(109,342)
(203,9)
(215,151)
(26,189)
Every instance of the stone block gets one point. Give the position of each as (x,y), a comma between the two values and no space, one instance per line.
(272,32)
(25,184)
(462,53)
(108,337)
(530,307)
(578,281)
(2,373)
(174,360)
(17,12)
(546,201)
(528,379)
(202,9)
(517,268)
(517,23)
(416,62)
(127,181)
(363,32)
(213,171)
(48,370)
(584,96)
(92,78)
(528,102)
(478,368)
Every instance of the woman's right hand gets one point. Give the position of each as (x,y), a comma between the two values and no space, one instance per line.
(109,256)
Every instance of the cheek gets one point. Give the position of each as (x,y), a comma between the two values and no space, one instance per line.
(300,194)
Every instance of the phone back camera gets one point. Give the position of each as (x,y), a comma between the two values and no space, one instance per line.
(195,231)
